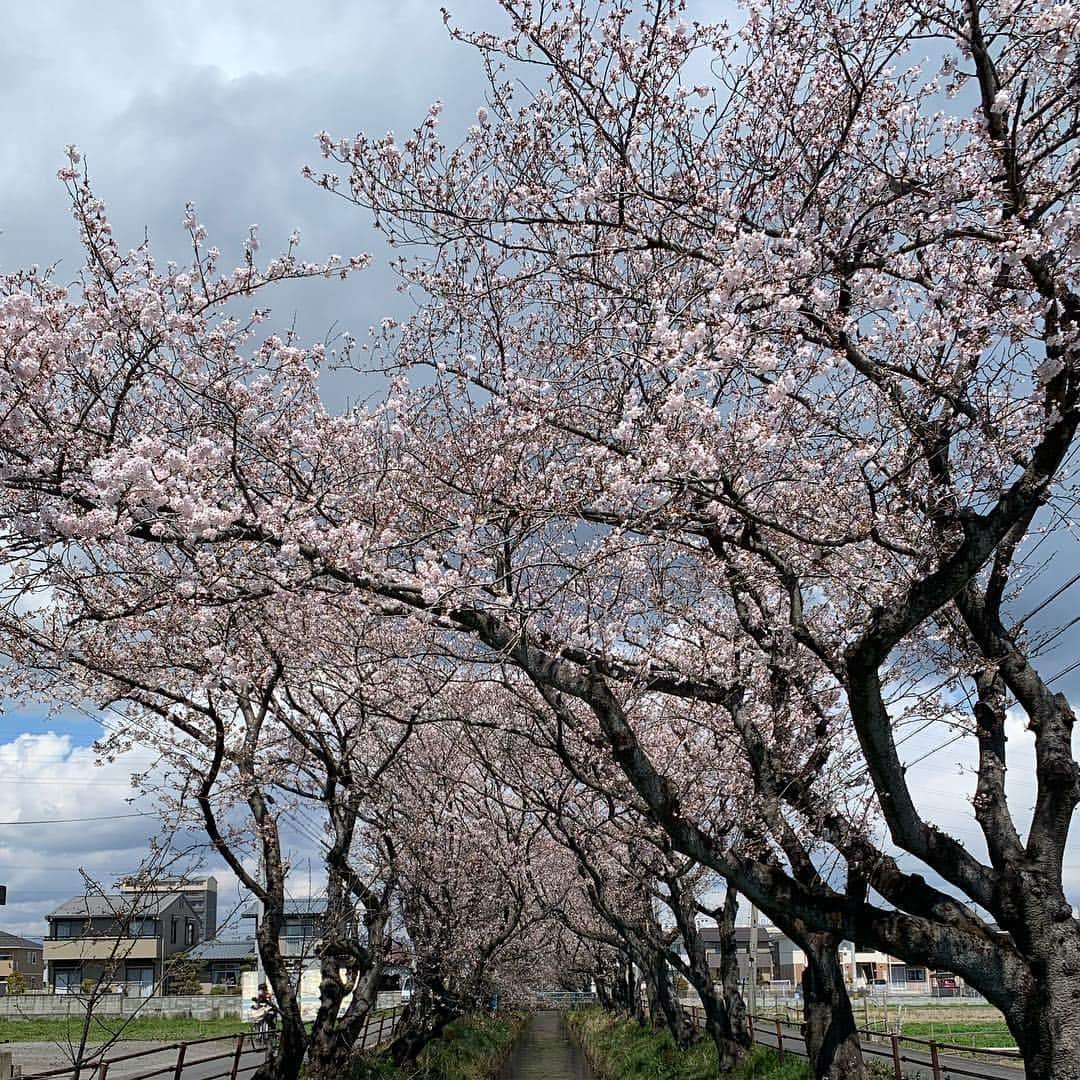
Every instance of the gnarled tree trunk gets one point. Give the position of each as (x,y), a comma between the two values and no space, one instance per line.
(832,1041)
(730,1040)
(729,968)
(1045,1019)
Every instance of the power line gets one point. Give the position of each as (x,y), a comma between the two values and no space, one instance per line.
(74,820)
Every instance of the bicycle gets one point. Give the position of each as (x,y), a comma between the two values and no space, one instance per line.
(263,1034)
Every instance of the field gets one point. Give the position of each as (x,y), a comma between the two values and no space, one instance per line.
(956,1023)
(70,1030)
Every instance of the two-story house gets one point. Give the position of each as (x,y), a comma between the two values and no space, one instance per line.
(223,963)
(22,955)
(763,965)
(121,939)
(301,931)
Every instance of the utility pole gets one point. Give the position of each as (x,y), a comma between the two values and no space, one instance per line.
(752,958)
(260,976)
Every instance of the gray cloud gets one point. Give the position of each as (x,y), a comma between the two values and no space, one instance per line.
(217,104)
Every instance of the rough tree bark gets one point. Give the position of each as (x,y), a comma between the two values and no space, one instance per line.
(832,1041)
(725,1013)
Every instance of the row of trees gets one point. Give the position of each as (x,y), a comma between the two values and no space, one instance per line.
(719,458)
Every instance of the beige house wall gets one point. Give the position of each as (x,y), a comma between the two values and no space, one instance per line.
(103,948)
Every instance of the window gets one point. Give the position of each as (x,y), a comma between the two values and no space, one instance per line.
(142,927)
(299,930)
(172,933)
(189,933)
(140,980)
(33,958)
(68,928)
(916,974)
(66,980)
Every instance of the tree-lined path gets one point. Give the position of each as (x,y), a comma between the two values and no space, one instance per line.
(545,1051)
(721,475)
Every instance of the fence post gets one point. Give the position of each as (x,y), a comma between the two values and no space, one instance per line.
(780,1038)
(6,1069)
(102,1072)
(181,1051)
(236,1057)
(935,1062)
(895,1040)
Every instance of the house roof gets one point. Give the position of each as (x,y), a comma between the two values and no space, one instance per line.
(208,951)
(109,906)
(13,941)
(312,905)
(711,935)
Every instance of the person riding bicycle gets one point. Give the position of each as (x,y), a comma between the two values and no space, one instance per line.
(264,1011)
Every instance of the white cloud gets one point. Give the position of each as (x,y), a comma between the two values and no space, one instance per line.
(48,779)
(943,784)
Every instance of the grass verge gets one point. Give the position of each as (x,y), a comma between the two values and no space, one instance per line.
(176,1029)
(621,1049)
(471,1048)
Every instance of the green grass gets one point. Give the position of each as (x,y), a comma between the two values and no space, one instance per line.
(471,1048)
(979,1033)
(621,1049)
(956,1024)
(178,1029)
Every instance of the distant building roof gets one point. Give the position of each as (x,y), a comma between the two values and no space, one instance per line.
(208,951)
(169,883)
(313,905)
(710,935)
(103,907)
(13,941)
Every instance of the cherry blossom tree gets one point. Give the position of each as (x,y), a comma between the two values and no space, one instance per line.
(801,341)
(745,384)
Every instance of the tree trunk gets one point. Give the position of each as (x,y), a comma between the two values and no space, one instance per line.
(292,1044)
(427,1014)
(718,1021)
(832,1042)
(729,968)
(332,1042)
(667,998)
(718,1024)
(1046,1019)
(603,996)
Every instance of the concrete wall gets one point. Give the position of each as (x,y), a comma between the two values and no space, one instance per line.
(37,1006)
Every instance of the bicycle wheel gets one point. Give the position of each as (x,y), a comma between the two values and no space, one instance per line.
(260,1035)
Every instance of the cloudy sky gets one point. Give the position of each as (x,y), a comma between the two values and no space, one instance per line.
(217,103)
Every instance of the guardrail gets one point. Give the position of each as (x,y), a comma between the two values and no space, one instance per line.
(937,1060)
(241,1057)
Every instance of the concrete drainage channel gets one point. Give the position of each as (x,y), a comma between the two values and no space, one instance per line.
(546,1051)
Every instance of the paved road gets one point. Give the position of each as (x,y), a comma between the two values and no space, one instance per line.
(202,1061)
(37,1057)
(912,1061)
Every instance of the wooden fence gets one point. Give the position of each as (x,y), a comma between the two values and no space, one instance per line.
(236,1054)
(937,1060)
